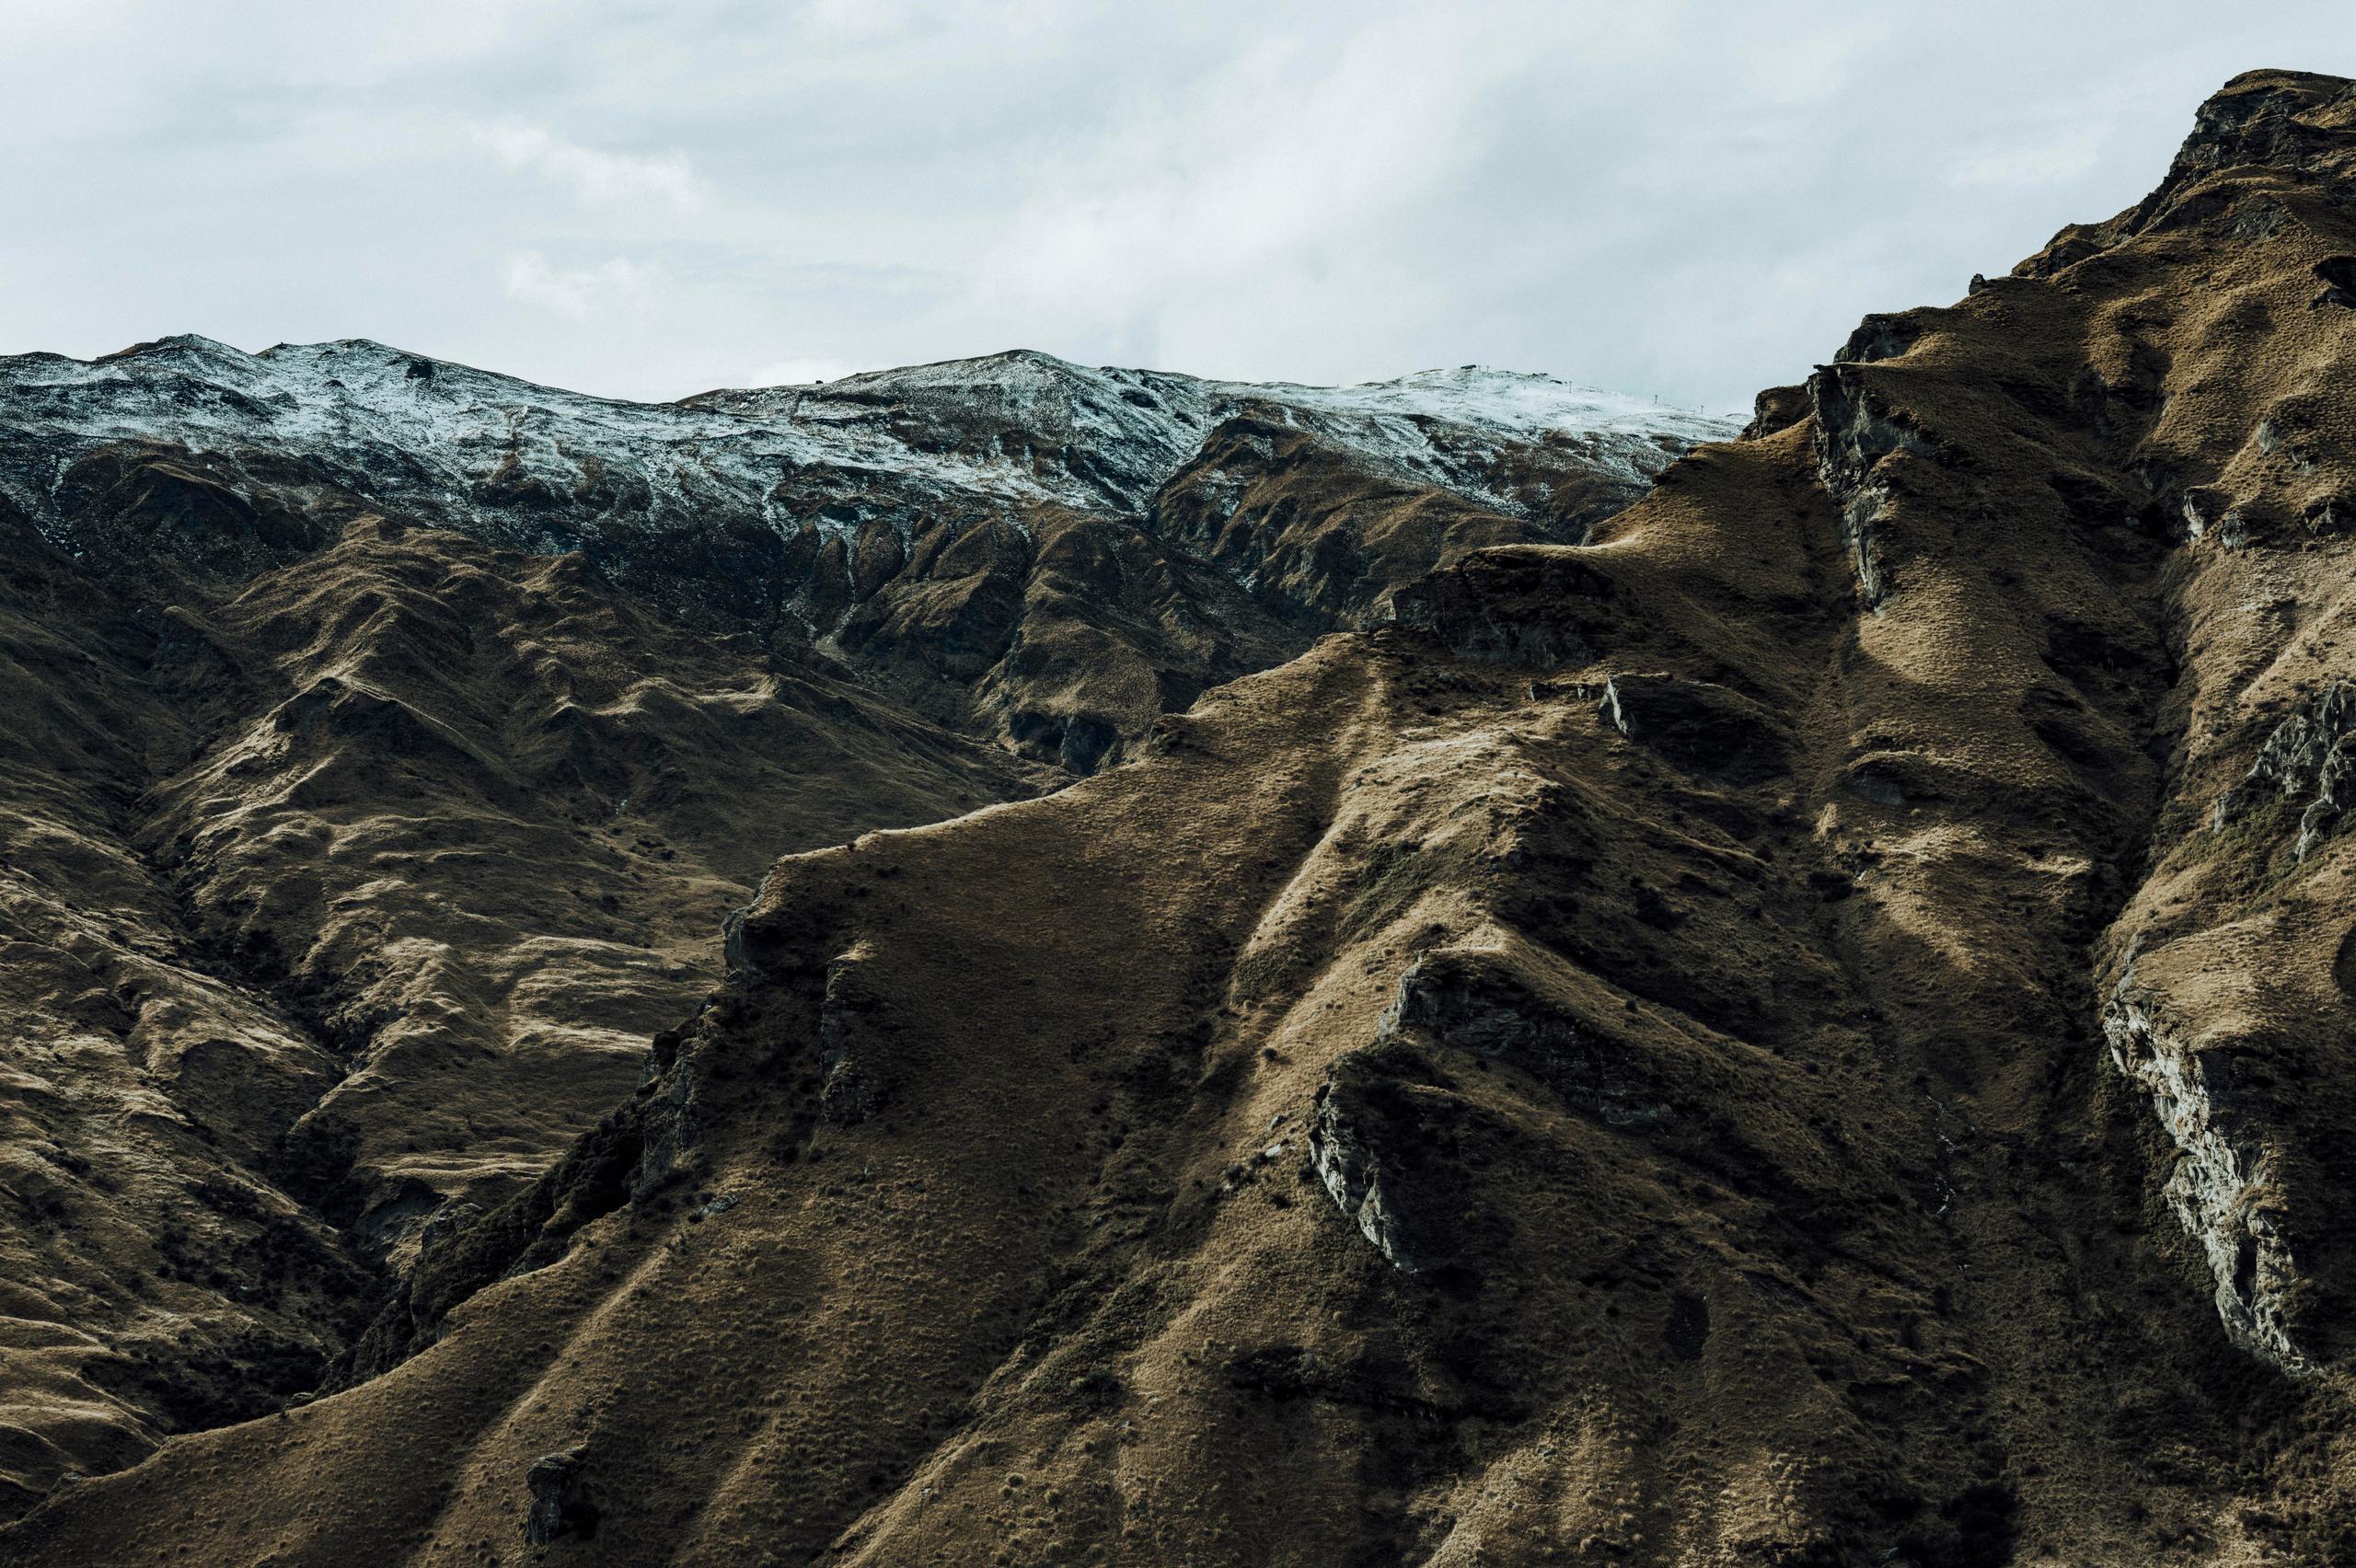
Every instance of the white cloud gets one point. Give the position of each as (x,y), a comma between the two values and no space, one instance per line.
(799,371)
(575,292)
(1674,198)
(2049,165)
(28,25)
(604,179)
(1814,66)
(1284,175)
(856,18)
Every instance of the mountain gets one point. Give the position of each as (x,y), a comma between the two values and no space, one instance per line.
(1809,1024)
(388,743)
(1018,544)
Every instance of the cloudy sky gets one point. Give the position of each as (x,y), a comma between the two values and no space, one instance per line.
(647,200)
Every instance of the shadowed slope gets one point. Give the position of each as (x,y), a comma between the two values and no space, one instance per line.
(351,897)
(1807,1030)
(389,739)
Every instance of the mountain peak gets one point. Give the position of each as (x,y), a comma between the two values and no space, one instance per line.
(2293,121)
(182,343)
(2263,145)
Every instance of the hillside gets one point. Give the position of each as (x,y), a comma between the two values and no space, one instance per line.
(387,750)
(1804,1022)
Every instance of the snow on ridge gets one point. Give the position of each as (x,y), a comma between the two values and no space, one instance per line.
(1151,422)
(1020,426)
(1516,401)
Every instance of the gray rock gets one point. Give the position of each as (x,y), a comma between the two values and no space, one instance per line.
(2222,1190)
(556,1507)
(1856,438)
(2308,757)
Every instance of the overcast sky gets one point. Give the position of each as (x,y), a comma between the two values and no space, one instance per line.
(648,200)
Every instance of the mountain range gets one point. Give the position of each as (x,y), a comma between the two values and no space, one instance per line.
(1005,962)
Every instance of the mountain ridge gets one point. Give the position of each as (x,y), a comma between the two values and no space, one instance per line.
(405,783)
(1378,415)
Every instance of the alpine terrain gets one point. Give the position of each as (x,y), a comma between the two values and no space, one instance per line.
(1006,962)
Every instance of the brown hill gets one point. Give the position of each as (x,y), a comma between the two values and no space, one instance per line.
(1809,1029)
(350,854)
(355,891)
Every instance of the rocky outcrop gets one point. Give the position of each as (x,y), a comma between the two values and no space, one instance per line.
(1485,608)
(1775,411)
(851,1087)
(555,1503)
(2222,1190)
(2291,124)
(2308,765)
(1388,1112)
(1861,445)
(1473,1001)
(1699,727)
(2338,275)
(1881,337)
(1372,1141)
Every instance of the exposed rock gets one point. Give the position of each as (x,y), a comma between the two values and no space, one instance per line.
(1698,726)
(1857,440)
(1388,1137)
(851,1092)
(2222,1190)
(1540,610)
(2309,758)
(556,1506)
(1372,1141)
(1472,1001)
(1881,337)
(2289,123)
(1775,411)
(2339,277)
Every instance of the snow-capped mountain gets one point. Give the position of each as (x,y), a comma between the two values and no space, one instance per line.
(1050,554)
(495,456)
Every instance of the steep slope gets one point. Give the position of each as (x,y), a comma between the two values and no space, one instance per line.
(342,905)
(1809,1029)
(388,739)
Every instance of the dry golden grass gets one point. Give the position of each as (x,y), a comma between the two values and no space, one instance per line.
(1421,1110)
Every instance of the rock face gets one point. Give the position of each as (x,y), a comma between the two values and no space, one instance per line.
(1862,451)
(1389,1135)
(1742,1039)
(2305,764)
(2222,1190)
(554,1507)
(1695,726)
